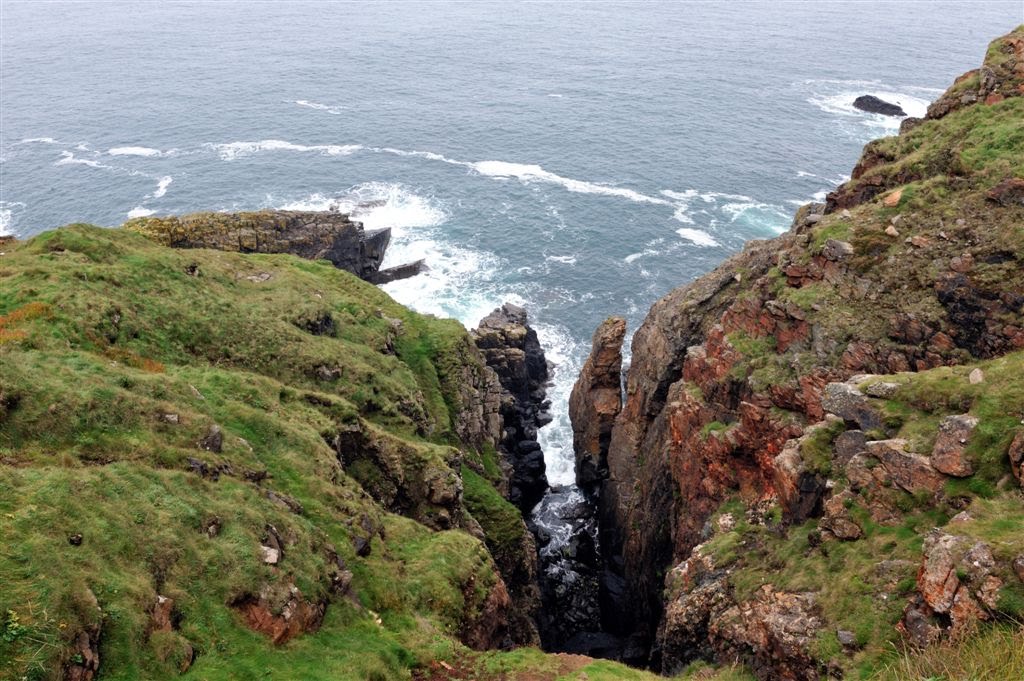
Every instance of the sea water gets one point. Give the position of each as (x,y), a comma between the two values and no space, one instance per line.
(577,159)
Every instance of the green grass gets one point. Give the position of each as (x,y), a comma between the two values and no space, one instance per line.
(102,335)
(995,652)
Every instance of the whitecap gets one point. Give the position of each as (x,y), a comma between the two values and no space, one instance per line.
(528,173)
(231,150)
(335,110)
(162,185)
(134,151)
(632,257)
(567,259)
(38,140)
(68,158)
(698,237)
(556,95)
(140,212)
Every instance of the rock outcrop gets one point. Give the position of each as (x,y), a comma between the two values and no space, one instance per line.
(595,401)
(511,349)
(313,235)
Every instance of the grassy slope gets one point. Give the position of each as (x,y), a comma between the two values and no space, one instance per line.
(102,333)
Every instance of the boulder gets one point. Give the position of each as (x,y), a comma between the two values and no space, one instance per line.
(1009,192)
(838,520)
(1016,454)
(948,453)
(281,612)
(873,104)
(850,404)
(912,472)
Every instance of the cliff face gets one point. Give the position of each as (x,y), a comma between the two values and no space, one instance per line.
(737,406)
(312,235)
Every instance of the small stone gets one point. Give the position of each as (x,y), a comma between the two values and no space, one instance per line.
(170,418)
(195,392)
(919,241)
(813,218)
(1018,567)
(962,263)
(846,638)
(212,526)
(976,376)
(75,539)
(270,555)
(846,213)
(892,231)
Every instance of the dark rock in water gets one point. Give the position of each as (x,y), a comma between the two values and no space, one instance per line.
(873,104)
(398,272)
(511,348)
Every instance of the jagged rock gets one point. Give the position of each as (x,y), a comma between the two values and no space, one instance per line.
(313,235)
(702,595)
(837,518)
(873,104)
(511,349)
(850,404)
(847,444)
(83,660)
(595,402)
(1009,192)
(280,612)
(213,441)
(775,631)
(836,250)
(948,455)
(912,472)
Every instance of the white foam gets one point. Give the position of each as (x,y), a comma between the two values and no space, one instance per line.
(566,353)
(134,151)
(232,150)
(632,257)
(68,158)
(162,185)
(696,236)
(556,95)
(420,154)
(8,211)
(567,259)
(528,173)
(38,140)
(335,110)
(140,212)
(836,97)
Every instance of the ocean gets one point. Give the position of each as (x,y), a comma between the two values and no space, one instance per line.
(578,159)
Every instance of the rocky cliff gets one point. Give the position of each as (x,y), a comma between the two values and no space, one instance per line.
(796,421)
(313,235)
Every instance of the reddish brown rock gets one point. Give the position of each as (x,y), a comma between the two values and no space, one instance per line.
(775,631)
(1016,455)
(838,520)
(595,402)
(1009,192)
(486,627)
(948,455)
(295,615)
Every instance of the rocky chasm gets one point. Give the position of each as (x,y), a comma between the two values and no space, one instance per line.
(246,459)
